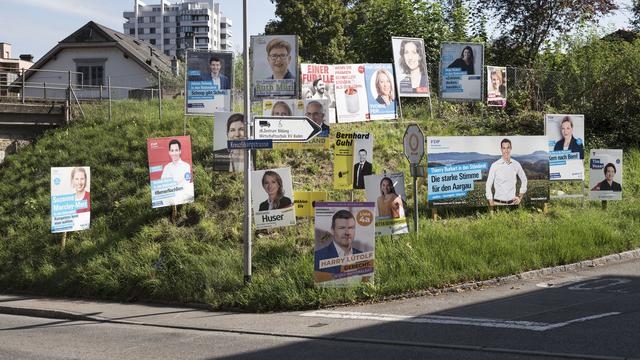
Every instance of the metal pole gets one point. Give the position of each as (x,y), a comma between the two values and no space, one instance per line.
(68,96)
(415,201)
(23,87)
(100,92)
(109,93)
(159,95)
(247,152)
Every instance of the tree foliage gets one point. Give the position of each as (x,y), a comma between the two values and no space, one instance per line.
(527,24)
(320,25)
(635,15)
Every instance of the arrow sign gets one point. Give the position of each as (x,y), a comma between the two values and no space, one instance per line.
(285,128)
(413,144)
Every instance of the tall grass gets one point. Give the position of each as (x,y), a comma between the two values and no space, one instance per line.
(134,252)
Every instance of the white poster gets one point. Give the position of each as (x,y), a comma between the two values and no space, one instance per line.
(496,86)
(274,65)
(461,71)
(272,193)
(317,83)
(605,174)
(70,199)
(351,93)
(565,136)
(410,63)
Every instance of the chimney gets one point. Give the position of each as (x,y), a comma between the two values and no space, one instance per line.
(26,57)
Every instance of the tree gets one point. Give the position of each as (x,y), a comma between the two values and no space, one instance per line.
(457,18)
(320,25)
(527,24)
(635,15)
(376,21)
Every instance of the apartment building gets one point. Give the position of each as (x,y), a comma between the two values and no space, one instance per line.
(10,68)
(176,27)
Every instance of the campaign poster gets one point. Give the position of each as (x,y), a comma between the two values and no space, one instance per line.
(410,63)
(209,80)
(362,158)
(496,86)
(282,107)
(344,243)
(387,191)
(351,93)
(305,202)
(70,198)
(228,126)
(381,91)
(274,64)
(272,193)
(476,171)
(343,161)
(605,174)
(461,71)
(170,170)
(565,139)
(317,83)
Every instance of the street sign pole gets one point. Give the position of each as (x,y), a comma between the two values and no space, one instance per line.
(414,151)
(247,152)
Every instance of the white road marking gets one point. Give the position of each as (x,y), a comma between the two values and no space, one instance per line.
(605,283)
(452,320)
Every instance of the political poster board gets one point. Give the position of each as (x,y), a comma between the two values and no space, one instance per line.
(344,243)
(208,82)
(410,64)
(381,92)
(605,174)
(272,196)
(305,202)
(461,67)
(282,107)
(496,86)
(317,83)
(351,93)
(362,158)
(70,198)
(170,170)
(274,65)
(359,94)
(471,171)
(388,193)
(228,126)
(565,138)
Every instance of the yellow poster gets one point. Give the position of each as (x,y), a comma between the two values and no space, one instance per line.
(305,202)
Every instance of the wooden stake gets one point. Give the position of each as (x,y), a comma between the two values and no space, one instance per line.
(64,240)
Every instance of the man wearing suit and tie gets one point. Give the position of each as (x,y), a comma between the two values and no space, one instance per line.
(343,229)
(220,81)
(361,169)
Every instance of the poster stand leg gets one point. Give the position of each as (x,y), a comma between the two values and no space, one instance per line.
(604,204)
(174,213)
(400,108)
(63,243)
(430,108)
(415,204)
(582,199)
(545,208)
(434,214)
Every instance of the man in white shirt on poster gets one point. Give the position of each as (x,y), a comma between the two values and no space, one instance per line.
(502,177)
(180,172)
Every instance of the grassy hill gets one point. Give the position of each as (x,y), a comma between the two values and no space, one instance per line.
(133,251)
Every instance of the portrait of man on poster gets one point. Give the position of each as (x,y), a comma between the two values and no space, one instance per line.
(502,177)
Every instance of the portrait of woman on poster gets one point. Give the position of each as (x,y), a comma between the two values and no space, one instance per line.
(280,108)
(608,183)
(79,182)
(272,184)
(384,88)
(498,88)
(389,204)
(568,142)
(414,66)
(465,62)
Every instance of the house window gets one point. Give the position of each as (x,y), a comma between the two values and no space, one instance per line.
(152,41)
(152,30)
(166,30)
(91,71)
(132,31)
(152,19)
(166,41)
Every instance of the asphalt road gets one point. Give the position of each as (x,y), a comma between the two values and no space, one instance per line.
(587,314)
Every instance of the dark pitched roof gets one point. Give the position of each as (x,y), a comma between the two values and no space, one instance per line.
(622,34)
(148,56)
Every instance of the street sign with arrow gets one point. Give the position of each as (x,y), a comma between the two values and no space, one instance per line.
(285,128)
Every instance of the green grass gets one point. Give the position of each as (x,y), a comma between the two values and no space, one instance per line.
(134,252)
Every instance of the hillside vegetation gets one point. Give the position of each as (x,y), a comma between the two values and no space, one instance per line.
(134,252)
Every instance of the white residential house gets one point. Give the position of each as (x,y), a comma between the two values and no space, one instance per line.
(95,53)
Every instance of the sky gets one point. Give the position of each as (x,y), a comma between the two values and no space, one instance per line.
(36,26)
